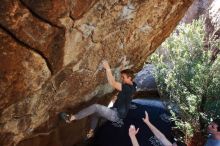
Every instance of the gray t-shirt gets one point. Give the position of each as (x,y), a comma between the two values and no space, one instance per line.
(212,142)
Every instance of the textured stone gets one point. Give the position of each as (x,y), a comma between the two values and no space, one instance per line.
(212,25)
(210,10)
(73,38)
(33,32)
(213,19)
(80,7)
(145,79)
(22,71)
(198,8)
(50,10)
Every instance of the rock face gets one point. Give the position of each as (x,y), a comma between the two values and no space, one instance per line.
(211,10)
(145,79)
(198,8)
(212,25)
(51,51)
(213,19)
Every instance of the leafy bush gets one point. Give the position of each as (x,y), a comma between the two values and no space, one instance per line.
(187,77)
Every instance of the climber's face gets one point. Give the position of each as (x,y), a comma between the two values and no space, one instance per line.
(126,79)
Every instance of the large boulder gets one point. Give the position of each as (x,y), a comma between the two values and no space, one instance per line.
(213,19)
(212,26)
(146,83)
(198,8)
(210,9)
(145,79)
(51,51)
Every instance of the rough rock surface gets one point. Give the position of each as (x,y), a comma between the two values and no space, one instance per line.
(212,25)
(213,19)
(51,50)
(198,8)
(210,9)
(145,79)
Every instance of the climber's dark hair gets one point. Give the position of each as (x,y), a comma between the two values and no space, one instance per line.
(128,72)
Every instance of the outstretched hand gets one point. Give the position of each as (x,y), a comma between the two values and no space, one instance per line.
(133,131)
(123,63)
(146,119)
(105,64)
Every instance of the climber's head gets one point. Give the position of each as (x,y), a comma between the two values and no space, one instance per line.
(127,76)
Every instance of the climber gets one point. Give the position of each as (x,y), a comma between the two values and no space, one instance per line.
(120,108)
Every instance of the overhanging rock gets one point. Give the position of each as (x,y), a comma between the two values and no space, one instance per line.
(65,41)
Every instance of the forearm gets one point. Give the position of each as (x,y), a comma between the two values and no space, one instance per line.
(134,141)
(110,77)
(160,136)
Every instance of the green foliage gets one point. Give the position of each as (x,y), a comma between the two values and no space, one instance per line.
(187,77)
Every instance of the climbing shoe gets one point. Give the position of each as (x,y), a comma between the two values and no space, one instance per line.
(66,117)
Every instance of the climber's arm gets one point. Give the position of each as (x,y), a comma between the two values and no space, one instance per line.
(111,78)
